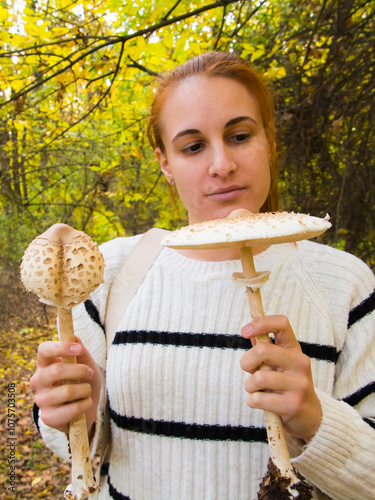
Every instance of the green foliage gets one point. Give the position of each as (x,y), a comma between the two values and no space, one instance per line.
(78,80)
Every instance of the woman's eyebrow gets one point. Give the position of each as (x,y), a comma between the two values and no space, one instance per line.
(188,131)
(231,122)
(239,119)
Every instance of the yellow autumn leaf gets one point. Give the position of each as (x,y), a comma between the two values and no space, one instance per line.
(141,44)
(16,356)
(281,72)
(275,73)
(18,125)
(17,85)
(168,40)
(36,480)
(4,14)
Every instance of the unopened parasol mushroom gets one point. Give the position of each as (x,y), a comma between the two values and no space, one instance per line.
(62,267)
(245,229)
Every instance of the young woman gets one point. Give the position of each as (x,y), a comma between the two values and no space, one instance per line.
(186,397)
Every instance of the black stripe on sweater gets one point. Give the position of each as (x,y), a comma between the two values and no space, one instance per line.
(370,421)
(114,493)
(104,469)
(363,309)
(93,313)
(355,398)
(321,352)
(212,340)
(36,416)
(182,430)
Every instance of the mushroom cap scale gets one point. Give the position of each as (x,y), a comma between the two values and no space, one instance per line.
(62,266)
(247,229)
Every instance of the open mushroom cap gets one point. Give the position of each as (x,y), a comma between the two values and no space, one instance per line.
(62,266)
(243,228)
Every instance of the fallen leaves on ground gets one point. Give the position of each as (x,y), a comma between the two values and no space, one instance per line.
(28,469)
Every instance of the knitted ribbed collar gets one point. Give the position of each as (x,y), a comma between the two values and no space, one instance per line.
(266,260)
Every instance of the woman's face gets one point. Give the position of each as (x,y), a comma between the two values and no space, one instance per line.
(215,147)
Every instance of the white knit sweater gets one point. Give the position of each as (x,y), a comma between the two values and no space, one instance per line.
(180,425)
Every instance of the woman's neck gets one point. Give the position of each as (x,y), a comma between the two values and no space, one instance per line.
(218,254)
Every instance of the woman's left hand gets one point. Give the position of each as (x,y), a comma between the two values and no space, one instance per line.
(288,389)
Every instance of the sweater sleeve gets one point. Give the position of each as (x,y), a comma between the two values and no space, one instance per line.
(89,321)
(339,460)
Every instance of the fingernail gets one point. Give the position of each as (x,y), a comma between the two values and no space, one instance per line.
(75,348)
(90,372)
(247,331)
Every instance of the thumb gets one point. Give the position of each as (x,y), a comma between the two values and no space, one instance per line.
(84,357)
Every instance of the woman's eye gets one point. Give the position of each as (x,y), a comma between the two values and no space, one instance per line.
(240,137)
(193,148)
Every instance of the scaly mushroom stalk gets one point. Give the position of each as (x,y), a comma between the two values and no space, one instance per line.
(83,482)
(62,267)
(244,229)
(276,441)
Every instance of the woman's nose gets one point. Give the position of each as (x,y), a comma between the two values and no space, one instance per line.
(222,164)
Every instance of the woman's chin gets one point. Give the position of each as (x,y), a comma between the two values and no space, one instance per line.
(226,211)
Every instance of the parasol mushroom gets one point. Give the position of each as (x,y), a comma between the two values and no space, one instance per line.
(245,229)
(62,267)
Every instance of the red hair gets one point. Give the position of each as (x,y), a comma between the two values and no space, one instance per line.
(223,65)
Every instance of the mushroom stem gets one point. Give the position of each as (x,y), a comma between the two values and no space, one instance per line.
(276,440)
(83,482)
(254,297)
(66,329)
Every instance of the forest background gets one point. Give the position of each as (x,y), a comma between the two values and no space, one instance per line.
(77,78)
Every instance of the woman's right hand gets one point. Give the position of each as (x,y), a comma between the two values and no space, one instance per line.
(59,401)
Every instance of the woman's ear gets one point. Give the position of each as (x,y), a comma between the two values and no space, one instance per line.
(164,165)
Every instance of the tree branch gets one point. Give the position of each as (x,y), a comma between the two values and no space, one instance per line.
(112,40)
(92,80)
(73,205)
(93,108)
(252,13)
(160,173)
(141,67)
(313,32)
(164,18)
(221,27)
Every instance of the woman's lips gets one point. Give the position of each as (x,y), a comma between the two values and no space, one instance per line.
(226,194)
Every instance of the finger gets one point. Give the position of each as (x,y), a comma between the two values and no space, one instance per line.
(59,417)
(300,418)
(266,354)
(52,351)
(268,401)
(274,391)
(279,358)
(84,357)
(286,403)
(62,395)
(274,381)
(277,324)
(57,373)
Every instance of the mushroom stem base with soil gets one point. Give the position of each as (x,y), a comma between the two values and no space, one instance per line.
(275,486)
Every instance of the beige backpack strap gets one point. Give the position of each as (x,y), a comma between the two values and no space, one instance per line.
(130,277)
(123,289)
